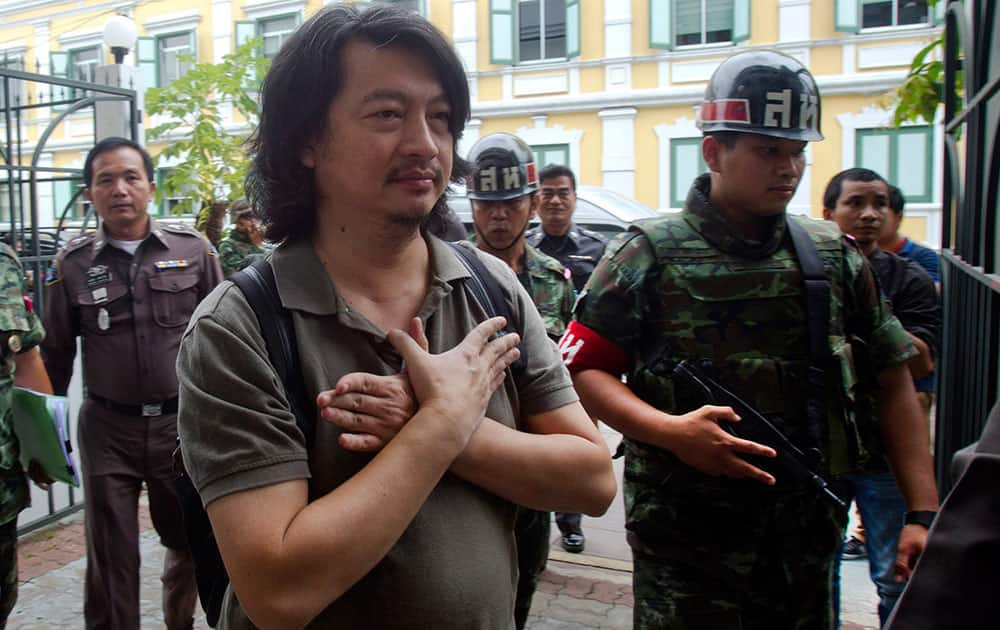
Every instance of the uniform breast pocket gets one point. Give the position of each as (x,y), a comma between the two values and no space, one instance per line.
(174,297)
(103,309)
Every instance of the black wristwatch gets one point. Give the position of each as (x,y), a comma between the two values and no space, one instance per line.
(919,517)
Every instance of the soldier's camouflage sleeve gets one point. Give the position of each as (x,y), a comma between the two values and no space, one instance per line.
(229,257)
(870,317)
(614,303)
(568,299)
(18,313)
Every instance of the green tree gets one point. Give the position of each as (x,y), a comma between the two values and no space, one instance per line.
(211,162)
(922,91)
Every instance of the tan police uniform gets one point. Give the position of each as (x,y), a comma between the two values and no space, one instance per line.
(131,311)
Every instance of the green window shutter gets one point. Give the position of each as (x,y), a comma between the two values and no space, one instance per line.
(502,32)
(572,28)
(847,16)
(62,191)
(686,163)
(245,30)
(741,20)
(660,35)
(59,67)
(913,175)
(59,64)
(145,58)
(937,12)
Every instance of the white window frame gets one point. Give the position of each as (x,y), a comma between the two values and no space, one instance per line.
(542,59)
(875,117)
(541,133)
(704,25)
(895,25)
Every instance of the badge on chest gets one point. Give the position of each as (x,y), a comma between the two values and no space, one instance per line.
(98,275)
(163,265)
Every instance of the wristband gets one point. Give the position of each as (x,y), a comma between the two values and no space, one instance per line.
(919,517)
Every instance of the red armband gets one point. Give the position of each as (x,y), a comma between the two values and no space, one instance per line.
(28,304)
(584,349)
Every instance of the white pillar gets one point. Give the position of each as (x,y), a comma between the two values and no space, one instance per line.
(618,159)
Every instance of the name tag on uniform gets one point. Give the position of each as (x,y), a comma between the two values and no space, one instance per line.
(163,265)
(98,274)
(100,295)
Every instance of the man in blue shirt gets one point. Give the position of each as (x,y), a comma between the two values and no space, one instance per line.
(892,241)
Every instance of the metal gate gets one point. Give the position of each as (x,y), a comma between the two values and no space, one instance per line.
(38,112)
(969,374)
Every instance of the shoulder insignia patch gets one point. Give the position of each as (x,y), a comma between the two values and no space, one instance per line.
(79,242)
(54,274)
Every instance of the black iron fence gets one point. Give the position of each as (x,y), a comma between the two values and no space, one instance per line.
(36,110)
(969,366)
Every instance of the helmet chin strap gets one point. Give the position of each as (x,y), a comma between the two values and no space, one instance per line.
(524,229)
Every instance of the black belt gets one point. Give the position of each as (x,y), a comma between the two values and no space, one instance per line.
(162,408)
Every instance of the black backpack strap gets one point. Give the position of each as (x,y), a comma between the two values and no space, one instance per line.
(817,285)
(261,291)
(486,290)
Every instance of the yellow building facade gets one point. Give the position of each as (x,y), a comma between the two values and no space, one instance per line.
(608,87)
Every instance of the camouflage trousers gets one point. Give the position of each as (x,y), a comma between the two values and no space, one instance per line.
(531,533)
(780,580)
(8,570)
(717,553)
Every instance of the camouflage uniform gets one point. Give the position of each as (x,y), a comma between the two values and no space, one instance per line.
(15,319)
(234,250)
(714,552)
(550,287)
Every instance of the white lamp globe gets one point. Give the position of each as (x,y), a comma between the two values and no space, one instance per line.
(119,35)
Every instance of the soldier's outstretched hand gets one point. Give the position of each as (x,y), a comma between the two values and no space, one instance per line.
(700,442)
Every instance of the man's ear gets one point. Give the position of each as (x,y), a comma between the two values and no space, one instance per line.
(828,214)
(88,195)
(711,150)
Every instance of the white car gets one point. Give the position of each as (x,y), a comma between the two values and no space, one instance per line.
(598,209)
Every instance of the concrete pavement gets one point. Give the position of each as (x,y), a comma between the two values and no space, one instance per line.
(591,590)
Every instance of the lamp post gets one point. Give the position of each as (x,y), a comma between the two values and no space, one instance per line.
(119,36)
(114,118)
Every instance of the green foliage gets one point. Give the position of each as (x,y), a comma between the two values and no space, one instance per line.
(212,162)
(923,89)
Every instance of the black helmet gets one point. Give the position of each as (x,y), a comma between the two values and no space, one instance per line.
(763,92)
(503,167)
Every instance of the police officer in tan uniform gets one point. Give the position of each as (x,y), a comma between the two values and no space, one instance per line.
(128,290)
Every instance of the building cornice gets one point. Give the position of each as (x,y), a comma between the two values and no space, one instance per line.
(172,22)
(13,7)
(717,51)
(829,85)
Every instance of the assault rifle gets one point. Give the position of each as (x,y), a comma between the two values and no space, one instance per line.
(790,462)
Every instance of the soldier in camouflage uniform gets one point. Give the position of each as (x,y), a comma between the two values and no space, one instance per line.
(717,541)
(244,243)
(22,365)
(502,188)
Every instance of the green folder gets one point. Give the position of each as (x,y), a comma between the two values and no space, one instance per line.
(41,422)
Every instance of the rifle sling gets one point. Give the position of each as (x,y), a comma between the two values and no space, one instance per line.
(817,290)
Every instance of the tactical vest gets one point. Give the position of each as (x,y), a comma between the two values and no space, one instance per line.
(748,317)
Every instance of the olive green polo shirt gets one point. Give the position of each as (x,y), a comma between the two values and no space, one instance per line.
(455,565)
